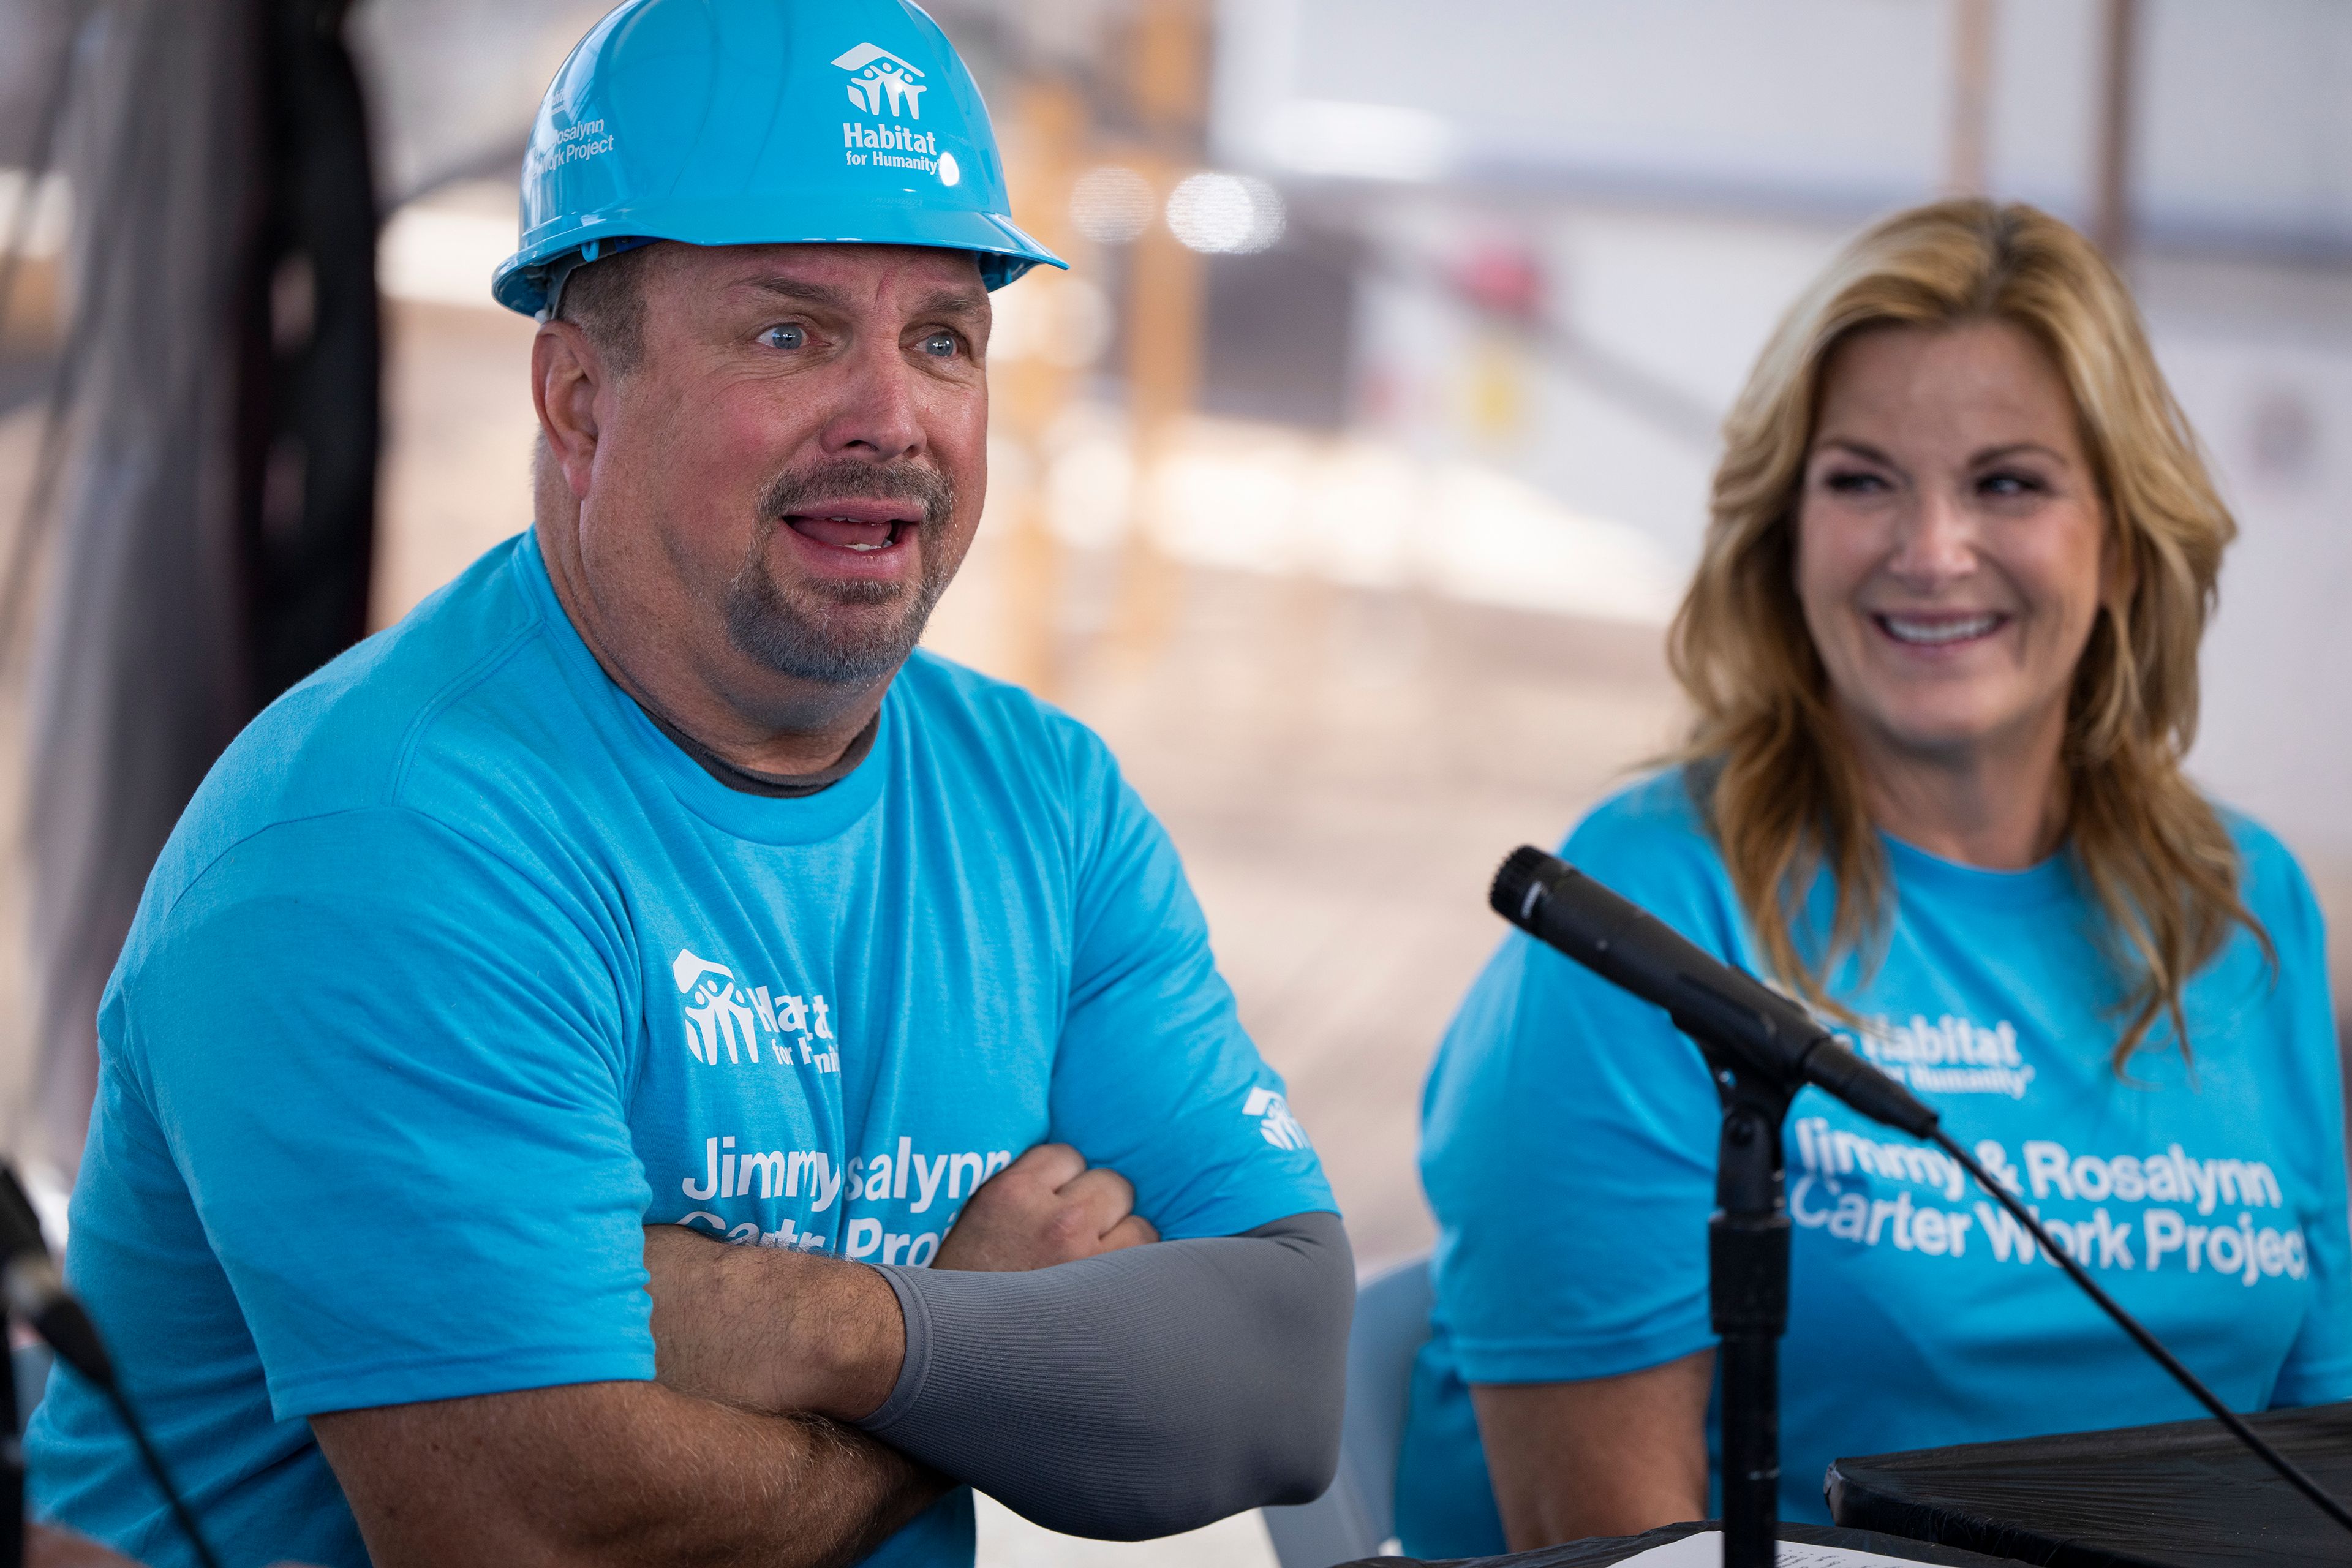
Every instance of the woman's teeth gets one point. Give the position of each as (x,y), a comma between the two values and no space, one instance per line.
(1933,633)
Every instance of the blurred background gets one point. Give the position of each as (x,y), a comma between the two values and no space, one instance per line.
(1346,484)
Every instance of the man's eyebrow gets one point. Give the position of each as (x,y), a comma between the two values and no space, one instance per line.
(823,294)
(953,302)
(939,302)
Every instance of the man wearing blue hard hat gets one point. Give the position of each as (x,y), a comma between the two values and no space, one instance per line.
(639,1064)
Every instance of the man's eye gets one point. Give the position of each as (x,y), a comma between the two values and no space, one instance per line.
(940,345)
(785,336)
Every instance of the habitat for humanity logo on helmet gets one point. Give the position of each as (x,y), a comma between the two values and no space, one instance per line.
(880,82)
(880,72)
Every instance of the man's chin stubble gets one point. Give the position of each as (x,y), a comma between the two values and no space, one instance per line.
(807,643)
(794,638)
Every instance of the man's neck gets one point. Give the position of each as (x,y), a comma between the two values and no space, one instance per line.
(2001,807)
(757,720)
(780,786)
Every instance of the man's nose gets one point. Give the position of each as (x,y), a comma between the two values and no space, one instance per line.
(1935,542)
(877,415)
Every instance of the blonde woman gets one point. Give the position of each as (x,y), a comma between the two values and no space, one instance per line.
(1942,648)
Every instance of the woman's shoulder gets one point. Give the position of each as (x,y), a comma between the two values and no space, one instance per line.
(2269,875)
(1650,842)
(2271,880)
(1657,814)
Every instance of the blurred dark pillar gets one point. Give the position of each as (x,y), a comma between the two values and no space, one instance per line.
(216,520)
(307,450)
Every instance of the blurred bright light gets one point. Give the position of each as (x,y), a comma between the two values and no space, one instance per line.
(52,214)
(1225,214)
(1111,204)
(1090,490)
(1368,140)
(442,249)
(1261,500)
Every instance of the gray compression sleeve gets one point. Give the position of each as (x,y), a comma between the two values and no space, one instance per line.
(1138,1394)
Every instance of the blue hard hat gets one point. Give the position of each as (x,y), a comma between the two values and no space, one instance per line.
(761,123)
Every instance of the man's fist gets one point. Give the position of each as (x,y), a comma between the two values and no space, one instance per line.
(1044,1208)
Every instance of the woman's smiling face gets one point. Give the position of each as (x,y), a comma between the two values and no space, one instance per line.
(1951,542)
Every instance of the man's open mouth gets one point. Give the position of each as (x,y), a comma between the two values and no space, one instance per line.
(860,531)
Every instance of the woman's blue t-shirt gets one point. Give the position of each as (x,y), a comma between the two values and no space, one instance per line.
(1568,1151)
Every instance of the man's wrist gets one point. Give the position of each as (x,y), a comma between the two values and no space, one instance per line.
(776,1332)
(846,1342)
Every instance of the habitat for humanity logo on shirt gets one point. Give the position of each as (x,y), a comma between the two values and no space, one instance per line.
(723,1016)
(1951,1055)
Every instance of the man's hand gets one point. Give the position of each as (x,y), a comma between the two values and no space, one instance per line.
(1044,1208)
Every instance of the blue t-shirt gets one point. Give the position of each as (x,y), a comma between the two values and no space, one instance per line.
(1569,1150)
(457,972)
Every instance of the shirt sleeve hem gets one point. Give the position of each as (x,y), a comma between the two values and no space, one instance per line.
(1557,1361)
(1232,1216)
(410,1381)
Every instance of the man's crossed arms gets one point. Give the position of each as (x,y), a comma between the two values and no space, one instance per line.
(1057,1355)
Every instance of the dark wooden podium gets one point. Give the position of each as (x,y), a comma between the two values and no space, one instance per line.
(2182,1495)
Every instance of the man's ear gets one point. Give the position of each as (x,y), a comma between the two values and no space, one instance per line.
(565,376)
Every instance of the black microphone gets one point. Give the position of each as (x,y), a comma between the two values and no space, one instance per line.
(1708,1000)
(36,1291)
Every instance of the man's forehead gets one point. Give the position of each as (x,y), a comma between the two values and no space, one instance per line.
(849,275)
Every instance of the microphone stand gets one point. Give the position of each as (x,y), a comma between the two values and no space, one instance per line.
(1748,1297)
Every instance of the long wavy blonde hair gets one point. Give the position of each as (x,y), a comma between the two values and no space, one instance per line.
(1774,774)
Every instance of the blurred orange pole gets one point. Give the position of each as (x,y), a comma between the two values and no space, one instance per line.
(1169,83)
(1050,133)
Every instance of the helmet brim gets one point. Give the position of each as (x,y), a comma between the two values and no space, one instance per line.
(1003,249)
